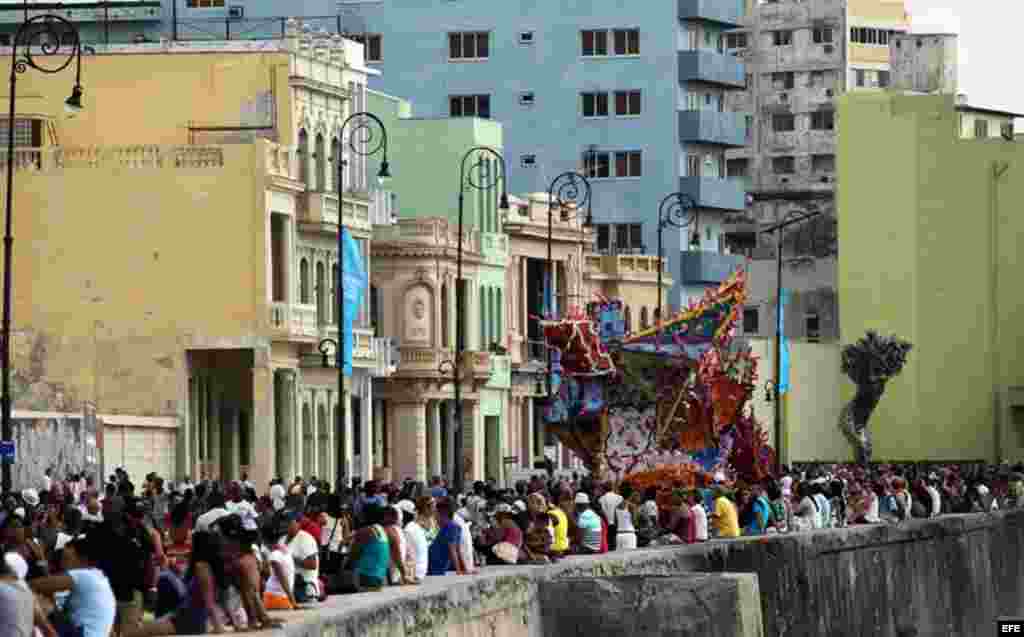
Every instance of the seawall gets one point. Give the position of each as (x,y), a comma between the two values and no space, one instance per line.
(950,576)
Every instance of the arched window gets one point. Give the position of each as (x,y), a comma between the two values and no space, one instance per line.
(304,282)
(628,320)
(498,316)
(335,163)
(657,315)
(333,301)
(643,318)
(320,161)
(321,294)
(484,307)
(444,315)
(303,156)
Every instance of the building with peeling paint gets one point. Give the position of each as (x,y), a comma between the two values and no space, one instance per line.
(173,252)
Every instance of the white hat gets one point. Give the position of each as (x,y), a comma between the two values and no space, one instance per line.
(31,497)
(407,506)
(20,512)
(582,498)
(503,508)
(17,564)
(519,504)
(62,540)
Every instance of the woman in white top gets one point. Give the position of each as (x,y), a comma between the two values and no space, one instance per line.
(625,537)
(278,594)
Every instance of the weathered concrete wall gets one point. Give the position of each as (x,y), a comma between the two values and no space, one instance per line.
(65,442)
(952,577)
(685,606)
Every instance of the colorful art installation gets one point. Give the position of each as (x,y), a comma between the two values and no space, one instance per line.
(672,402)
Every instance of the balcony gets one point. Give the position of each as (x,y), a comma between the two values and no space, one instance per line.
(728,13)
(711,67)
(714,193)
(424,362)
(501,372)
(712,127)
(305,321)
(708,267)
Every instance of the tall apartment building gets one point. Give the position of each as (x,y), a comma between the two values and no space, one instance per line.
(800,56)
(635,94)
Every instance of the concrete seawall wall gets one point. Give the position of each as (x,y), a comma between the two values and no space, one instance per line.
(951,576)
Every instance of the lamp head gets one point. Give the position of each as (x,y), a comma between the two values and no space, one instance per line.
(73,105)
(384,174)
(503,202)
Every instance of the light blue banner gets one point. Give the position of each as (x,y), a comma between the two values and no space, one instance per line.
(354,281)
(784,346)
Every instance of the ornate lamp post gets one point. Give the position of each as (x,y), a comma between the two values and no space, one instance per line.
(473,172)
(58,44)
(366,137)
(568,189)
(677,211)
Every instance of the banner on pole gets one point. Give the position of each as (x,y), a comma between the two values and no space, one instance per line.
(784,343)
(354,283)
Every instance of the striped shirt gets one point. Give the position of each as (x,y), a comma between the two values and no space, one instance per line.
(590,526)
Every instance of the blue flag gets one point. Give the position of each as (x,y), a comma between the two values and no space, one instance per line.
(784,344)
(354,282)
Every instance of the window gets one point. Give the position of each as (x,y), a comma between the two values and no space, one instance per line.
(748,81)
(526,37)
(736,167)
(628,164)
(595,104)
(627,41)
(528,161)
(782,38)
(204,4)
(884,78)
(1006,129)
(981,128)
(823,163)
(469,45)
(859,77)
(823,120)
(817,78)
(595,43)
(783,81)
(470,106)
(867,35)
(822,35)
(783,123)
(27,133)
(603,237)
(526,99)
(735,40)
(748,122)
(597,164)
(371,43)
(750,320)
(783,165)
(812,326)
(693,165)
(627,102)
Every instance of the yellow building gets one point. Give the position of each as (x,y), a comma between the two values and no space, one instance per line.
(931,252)
(172,252)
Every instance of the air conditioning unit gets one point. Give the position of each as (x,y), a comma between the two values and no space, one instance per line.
(236,12)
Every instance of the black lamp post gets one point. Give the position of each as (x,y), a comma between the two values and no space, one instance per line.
(677,211)
(771,388)
(362,141)
(475,175)
(568,189)
(53,37)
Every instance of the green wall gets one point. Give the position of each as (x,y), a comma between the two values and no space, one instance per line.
(929,250)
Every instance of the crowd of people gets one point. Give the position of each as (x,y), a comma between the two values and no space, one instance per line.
(191,558)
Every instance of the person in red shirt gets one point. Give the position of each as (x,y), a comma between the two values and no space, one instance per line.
(311,523)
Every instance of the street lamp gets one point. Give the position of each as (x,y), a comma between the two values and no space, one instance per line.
(477,176)
(678,211)
(568,189)
(54,37)
(362,141)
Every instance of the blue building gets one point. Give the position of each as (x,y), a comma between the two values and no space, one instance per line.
(630,93)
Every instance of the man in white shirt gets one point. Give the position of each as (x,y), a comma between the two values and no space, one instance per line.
(306,553)
(609,502)
(461,518)
(699,517)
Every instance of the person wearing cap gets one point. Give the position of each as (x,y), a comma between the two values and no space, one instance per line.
(416,529)
(503,543)
(90,606)
(589,524)
(278,593)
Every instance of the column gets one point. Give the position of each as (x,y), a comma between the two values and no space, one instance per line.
(366,430)
(348,459)
(215,429)
(531,434)
(231,468)
(378,435)
(411,455)
(262,429)
(472,461)
(434,437)
(331,472)
(204,430)
(192,462)
(449,450)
